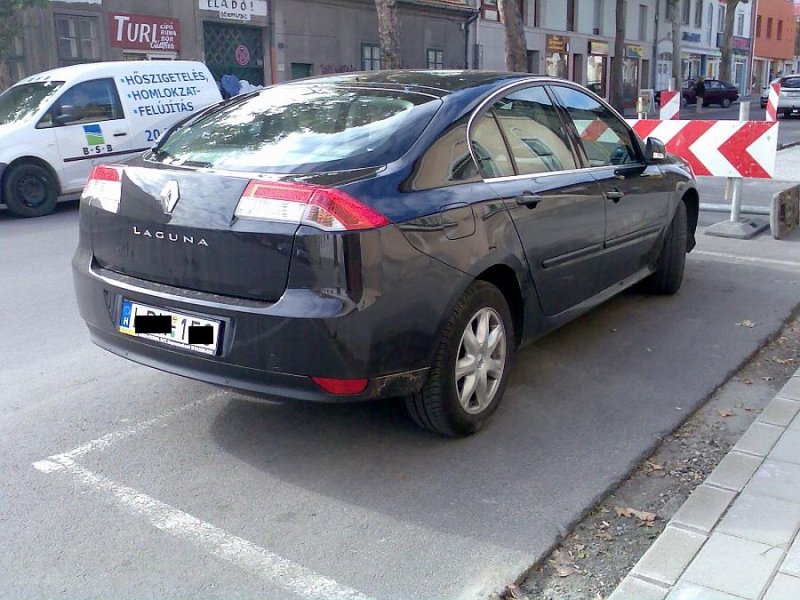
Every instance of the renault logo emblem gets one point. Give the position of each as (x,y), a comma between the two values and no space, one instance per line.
(170,196)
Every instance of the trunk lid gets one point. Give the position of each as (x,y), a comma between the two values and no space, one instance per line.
(177,227)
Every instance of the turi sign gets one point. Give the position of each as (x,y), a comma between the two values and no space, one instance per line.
(144,32)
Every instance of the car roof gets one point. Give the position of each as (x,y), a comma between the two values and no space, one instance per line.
(436,82)
(107,69)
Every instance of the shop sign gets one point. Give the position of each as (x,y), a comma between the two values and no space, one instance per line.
(740,44)
(236,10)
(558,44)
(688,36)
(144,32)
(634,52)
(599,48)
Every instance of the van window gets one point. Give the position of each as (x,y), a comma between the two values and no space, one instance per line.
(88,102)
(303,128)
(23,101)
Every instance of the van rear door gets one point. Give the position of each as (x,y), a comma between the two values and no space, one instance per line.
(90,128)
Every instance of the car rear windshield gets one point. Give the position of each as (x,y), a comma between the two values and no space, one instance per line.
(303,128)
(21,102)
(791,82)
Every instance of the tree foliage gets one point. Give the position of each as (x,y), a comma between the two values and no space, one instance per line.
(516,46)
(388,33)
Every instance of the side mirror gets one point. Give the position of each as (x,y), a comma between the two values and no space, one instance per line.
(654,151)
(66,114)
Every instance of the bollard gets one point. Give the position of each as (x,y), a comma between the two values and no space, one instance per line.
(736,182)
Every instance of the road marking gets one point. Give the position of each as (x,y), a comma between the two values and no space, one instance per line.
(246,555)
(748,259)
(106,440)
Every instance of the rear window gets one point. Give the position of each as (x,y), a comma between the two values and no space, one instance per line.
(303,128)
(791,82)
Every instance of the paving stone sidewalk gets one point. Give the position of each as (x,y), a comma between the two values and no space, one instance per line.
(736,536)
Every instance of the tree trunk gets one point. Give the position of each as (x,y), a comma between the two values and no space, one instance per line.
(516,46)
(5,75)
(388,33)
(727,34)
(617,97)
(677,68)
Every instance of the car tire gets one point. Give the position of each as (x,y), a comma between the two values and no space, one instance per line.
(30,190)
(726,102)
(668,276)
(445,404)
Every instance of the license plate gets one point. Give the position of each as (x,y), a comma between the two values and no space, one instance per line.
(168,327)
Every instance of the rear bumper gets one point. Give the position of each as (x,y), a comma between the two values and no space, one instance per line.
(386,334)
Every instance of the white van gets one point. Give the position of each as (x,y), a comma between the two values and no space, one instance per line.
(55,126)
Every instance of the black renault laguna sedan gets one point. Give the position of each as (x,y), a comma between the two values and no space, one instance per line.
(384,234)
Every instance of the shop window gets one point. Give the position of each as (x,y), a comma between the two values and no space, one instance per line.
(435,58)
(370,57)
(77,39)
(301,70)
(698,14)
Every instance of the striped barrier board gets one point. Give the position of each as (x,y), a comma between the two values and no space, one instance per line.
(717,148)
(772,102)
(670,105)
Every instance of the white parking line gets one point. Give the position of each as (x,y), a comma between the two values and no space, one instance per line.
(746,259)
(254,559)
(106,440)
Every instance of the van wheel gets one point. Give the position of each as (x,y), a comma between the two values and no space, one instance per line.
(30,190)
(471,366)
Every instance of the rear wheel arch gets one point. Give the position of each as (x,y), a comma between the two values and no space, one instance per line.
(504,278)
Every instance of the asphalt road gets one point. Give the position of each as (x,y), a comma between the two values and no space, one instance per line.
(117,480)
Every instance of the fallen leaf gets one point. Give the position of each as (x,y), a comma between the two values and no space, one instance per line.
(604,535)
(786,361)
(644,516)
(747,382)
(725,412)
(513,593)
(655,466)
(767,379)
(564,570)
(746,323)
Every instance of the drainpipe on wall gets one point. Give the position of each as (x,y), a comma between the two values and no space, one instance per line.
(271,41)
(470,20)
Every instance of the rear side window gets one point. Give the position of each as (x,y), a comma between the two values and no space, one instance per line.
(534,132)
(304,128)
(490,148)
(604,137)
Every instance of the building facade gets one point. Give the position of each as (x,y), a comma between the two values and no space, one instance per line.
(260,41)
(775,33)
(574,39)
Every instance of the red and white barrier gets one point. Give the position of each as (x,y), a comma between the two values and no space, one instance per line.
(718,148)
(772,102)
(670,105)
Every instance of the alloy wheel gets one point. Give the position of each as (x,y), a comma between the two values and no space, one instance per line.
(480,361)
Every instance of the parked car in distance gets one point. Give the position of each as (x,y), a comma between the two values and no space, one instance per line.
(719,92)
(384,234)
(789,97)
(56,125)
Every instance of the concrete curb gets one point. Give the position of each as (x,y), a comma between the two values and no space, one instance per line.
(736,536)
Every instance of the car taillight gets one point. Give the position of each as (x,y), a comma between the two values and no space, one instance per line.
(104,187)
(341,386)
(325,208)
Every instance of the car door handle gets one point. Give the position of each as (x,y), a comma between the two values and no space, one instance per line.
(120,133)
(529,200)
(614,195)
